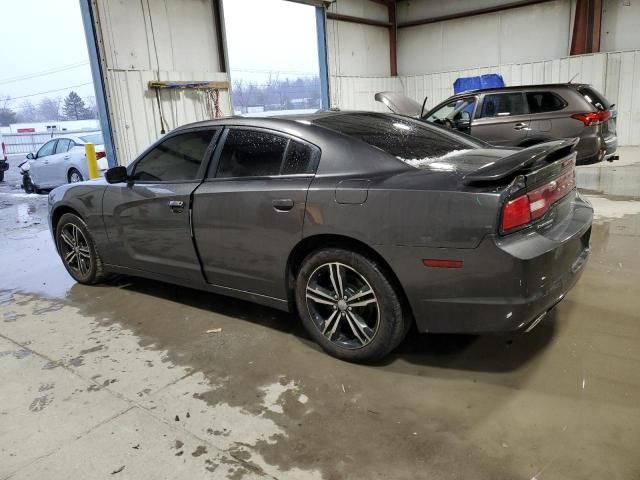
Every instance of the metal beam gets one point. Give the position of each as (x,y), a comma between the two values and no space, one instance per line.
(362,21)
(471,13)
(88,21)
(321,33)
(393,48)
(586,27)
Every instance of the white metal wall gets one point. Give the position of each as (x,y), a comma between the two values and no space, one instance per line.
(616,74)
(526,34)
(155,40)
(355,49)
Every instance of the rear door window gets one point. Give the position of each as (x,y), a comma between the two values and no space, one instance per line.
(540,102)
(249,153)
(178,158)
(63,145)
(594,97)
(504,105)
(299,160)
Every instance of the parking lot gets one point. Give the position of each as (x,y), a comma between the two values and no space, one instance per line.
(141,379)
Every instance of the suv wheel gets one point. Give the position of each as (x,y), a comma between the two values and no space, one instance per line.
(348,306)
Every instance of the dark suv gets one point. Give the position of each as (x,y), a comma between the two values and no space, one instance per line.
(526,115)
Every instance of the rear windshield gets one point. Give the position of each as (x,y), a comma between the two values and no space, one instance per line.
(95,138)
(411,141)
(594,97)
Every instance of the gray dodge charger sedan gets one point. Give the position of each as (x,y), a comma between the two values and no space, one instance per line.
(362,223)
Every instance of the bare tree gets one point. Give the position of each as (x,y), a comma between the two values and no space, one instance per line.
(27,112)
(49,109)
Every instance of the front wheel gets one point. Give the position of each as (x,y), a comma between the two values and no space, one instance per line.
(27,184)
(78,250)
(349,306)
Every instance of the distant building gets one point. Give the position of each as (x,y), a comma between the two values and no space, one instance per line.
(54,126)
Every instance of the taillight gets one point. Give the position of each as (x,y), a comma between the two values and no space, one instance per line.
(4,152)
(516,213)
(534,204)
(592,118)
(100,155)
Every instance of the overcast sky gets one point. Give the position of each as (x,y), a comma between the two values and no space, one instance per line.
(271,35)
(40,36)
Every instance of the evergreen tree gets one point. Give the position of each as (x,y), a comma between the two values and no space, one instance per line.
(74,108)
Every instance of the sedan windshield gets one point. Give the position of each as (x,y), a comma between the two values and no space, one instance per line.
(95,138)
(411,141)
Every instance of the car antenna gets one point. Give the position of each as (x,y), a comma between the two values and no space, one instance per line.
(574,77)
(424,102)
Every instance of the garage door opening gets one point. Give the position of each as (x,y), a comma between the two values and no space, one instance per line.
(273,57)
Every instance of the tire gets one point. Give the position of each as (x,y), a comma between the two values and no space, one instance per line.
(84,264)
(1,175)
(374,325)
(74,176)
(27,184)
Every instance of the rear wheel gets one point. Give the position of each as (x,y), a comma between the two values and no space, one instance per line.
(348,305)
(78,250)
(1,175)
(74,176)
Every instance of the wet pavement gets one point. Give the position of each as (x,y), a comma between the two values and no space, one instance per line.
(122,380)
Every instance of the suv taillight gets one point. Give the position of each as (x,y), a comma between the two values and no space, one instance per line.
(532,205)
(4,152)
(592,118)
(100,155)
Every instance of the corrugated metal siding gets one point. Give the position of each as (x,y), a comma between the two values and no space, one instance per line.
(616,74)
(181,44)
(356,93)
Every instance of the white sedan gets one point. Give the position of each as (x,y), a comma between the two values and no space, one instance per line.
(63,160)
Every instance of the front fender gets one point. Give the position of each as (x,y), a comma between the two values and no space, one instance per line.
(83,199)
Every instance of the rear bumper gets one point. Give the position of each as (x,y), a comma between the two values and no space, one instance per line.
(505,283)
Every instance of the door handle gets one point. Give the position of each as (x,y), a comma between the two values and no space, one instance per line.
(66,157)
(176,206)
(520,126)
(282,204)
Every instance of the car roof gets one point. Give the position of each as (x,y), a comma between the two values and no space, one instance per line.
(543,86)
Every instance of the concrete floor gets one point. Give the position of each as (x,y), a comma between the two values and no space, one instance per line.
(122,380)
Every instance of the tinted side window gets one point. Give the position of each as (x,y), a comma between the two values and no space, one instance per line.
(177,158)
(248,153)
(503,104)
(540,102)
(299,159)
(46,149)
(63,145)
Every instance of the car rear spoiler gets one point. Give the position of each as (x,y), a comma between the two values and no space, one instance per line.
(548,152)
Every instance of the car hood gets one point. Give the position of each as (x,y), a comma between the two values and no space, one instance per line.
(400,104)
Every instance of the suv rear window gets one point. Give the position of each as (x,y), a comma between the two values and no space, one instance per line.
(540,102)
(594,97)
(401,137)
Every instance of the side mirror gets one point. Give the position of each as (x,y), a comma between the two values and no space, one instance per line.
(116,175)
(31,156)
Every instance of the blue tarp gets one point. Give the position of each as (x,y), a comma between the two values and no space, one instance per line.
(491,80)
